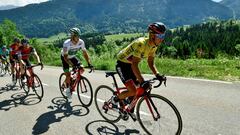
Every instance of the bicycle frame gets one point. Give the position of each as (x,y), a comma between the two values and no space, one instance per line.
(17,69)
(136,98)
(79,71)
(30,77)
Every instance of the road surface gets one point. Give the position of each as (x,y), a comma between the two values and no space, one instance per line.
(207,108)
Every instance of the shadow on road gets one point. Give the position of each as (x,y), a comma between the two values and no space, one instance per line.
(18,99)
(103,127)
(61,107)
(8,88)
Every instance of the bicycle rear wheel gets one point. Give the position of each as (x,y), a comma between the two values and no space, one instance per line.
(85,92)
(168,120)
(23,84)
(62,85)
(102,99)
(3,69)
(37,86)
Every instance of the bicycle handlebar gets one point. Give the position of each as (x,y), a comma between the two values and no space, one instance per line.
(79,67)
(164,81)
(35,65)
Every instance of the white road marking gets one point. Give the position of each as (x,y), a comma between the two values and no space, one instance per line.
(45,84)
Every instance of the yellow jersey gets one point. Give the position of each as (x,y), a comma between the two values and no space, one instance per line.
(138,48)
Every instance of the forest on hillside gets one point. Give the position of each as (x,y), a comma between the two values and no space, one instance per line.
(207,40)
(209,50)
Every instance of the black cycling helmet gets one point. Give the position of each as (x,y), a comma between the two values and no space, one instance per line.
(157,28)
(75,31)
(24,41)
(16,40)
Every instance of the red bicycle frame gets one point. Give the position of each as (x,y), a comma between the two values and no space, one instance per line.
(139,93)
(78,73)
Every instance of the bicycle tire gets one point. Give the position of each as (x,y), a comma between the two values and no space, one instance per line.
(3,69)
(102,91)
(36,85)
(170,106)
(61,88)
(86,93)
(24,85)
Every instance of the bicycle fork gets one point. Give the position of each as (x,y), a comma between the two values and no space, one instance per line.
(151,106)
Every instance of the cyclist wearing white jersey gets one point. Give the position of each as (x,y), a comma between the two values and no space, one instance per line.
(68,55)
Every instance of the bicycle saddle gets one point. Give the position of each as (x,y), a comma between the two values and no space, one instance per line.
(110,73)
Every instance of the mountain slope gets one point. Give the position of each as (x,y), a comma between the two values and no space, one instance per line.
(7,7)
(234,5)
(111,15)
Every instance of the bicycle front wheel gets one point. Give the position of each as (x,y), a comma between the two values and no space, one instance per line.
(102,99)
(24,84)
(157,115)
(85,92)
(62,85)
(37,87)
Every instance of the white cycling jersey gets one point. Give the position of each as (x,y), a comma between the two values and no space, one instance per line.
(71,49)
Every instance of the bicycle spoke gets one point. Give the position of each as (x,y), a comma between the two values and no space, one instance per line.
(84,91)
(62,85)
(163,119)
(102,98)
(37,86)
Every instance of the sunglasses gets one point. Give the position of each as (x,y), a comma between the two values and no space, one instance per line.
(160,36)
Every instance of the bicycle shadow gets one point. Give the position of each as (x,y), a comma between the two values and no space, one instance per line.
(61,107)
(26,99)
(8,88)
(108,128)
(16,100)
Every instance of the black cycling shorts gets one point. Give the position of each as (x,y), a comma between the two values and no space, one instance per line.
(125,72)
(14,57)
(74,60)
(27,63)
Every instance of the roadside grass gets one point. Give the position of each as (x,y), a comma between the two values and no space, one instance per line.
(52,38)
(122,36)
(216,69)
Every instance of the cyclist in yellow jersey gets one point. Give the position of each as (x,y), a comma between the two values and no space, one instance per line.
(129,58)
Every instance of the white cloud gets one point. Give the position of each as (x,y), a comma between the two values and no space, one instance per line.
(217,0)
(19,2)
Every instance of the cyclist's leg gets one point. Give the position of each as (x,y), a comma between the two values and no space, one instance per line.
(21,64)
(66,71)
(27,64)
(75,61)
(128,78)
(12,63)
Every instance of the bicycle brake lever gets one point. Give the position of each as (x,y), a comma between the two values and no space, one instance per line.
(165,83)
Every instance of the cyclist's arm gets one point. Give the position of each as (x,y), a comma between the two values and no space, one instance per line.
(136,71)
(37,57)
(86,56)
(152,65)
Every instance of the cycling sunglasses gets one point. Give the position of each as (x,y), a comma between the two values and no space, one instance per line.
(160,36)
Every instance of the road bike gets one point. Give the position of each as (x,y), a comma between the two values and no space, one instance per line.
(5,67)
(17,74)
(155,113)
(32,81)
(84,87)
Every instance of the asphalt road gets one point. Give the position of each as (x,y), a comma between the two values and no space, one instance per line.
(207,108)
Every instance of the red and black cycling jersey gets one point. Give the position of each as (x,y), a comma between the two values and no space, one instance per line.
(13,49)
(25,52)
